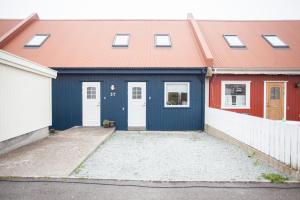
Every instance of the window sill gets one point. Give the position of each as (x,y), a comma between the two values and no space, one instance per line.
(235,107)
(176,106)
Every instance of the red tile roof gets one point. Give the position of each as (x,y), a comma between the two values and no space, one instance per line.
(258,53)
(88,43)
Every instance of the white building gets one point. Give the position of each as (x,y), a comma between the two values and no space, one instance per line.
(25,101)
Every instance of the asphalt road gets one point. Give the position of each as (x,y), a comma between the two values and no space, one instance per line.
(51,189)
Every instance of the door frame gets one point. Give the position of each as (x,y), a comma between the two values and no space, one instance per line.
(284,97)
(100,102)
(146,99)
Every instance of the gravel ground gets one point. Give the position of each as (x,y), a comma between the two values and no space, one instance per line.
(171,156)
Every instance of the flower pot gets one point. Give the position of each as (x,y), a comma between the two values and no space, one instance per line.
(106,125)
(112,124)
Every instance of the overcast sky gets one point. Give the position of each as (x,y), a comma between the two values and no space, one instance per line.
(151,9)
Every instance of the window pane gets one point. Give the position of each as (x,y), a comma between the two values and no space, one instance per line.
(37,40)
(173,98)
(136,93)
(234,41)
(235,89)
(121,40)
(162,41)
(235,94)
(91,92)
(275,41)
(183,100)
(275,93)
(177,93)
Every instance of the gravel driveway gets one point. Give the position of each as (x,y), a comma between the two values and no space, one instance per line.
(170,156)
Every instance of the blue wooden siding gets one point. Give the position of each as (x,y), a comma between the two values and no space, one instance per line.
(67,100)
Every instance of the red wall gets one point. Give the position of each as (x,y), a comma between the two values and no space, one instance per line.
(257,93)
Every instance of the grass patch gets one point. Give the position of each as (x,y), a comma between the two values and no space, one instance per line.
(274,178)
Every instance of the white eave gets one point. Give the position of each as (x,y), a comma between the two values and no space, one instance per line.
(267,71)
(26,65)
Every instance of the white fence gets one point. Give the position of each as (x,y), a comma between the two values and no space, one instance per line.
(278,139)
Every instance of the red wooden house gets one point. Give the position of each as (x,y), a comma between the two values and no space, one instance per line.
(255,67)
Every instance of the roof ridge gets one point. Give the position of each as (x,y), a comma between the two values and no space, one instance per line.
(4,39)
(198,20)
(223,20)
(112,20)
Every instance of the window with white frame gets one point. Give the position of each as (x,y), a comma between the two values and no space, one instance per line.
(235,94)
(91,93)
(37,40)
(234,41)
(275,41)
(121,40)
(136,93)
(177,94)
(162,40)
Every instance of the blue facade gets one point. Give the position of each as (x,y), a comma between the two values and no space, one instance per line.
(67,97)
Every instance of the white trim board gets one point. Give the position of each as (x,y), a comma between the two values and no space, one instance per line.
(284,98)
(26,65)
(248,94)
(256,71)
(166,95)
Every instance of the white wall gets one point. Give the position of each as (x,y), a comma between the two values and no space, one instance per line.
(278,139)
(25,101)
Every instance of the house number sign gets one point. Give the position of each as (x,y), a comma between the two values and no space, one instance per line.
(112,88)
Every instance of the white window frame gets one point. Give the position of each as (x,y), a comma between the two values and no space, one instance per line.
(37,45)
(166,95)
(122,45)
(248,94)
(242,45)
(163,46)
(266,37)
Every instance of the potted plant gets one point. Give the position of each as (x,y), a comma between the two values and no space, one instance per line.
(112,124)
(106,123)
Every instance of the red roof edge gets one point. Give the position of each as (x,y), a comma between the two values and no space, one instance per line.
(17,29)
(205,51)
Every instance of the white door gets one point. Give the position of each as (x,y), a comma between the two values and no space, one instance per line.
(90,104)
(136,105)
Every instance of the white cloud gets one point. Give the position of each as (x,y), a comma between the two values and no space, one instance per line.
(151,9)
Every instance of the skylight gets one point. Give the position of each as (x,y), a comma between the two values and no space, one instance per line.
(234,41)
(275,41)
(162,40)
(37,40)
(121,40)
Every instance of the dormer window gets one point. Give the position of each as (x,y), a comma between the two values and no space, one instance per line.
(37,40)
(121,40)
(275,41)
(234,41)
(162,40)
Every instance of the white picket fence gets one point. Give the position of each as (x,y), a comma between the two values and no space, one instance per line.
(278,139)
